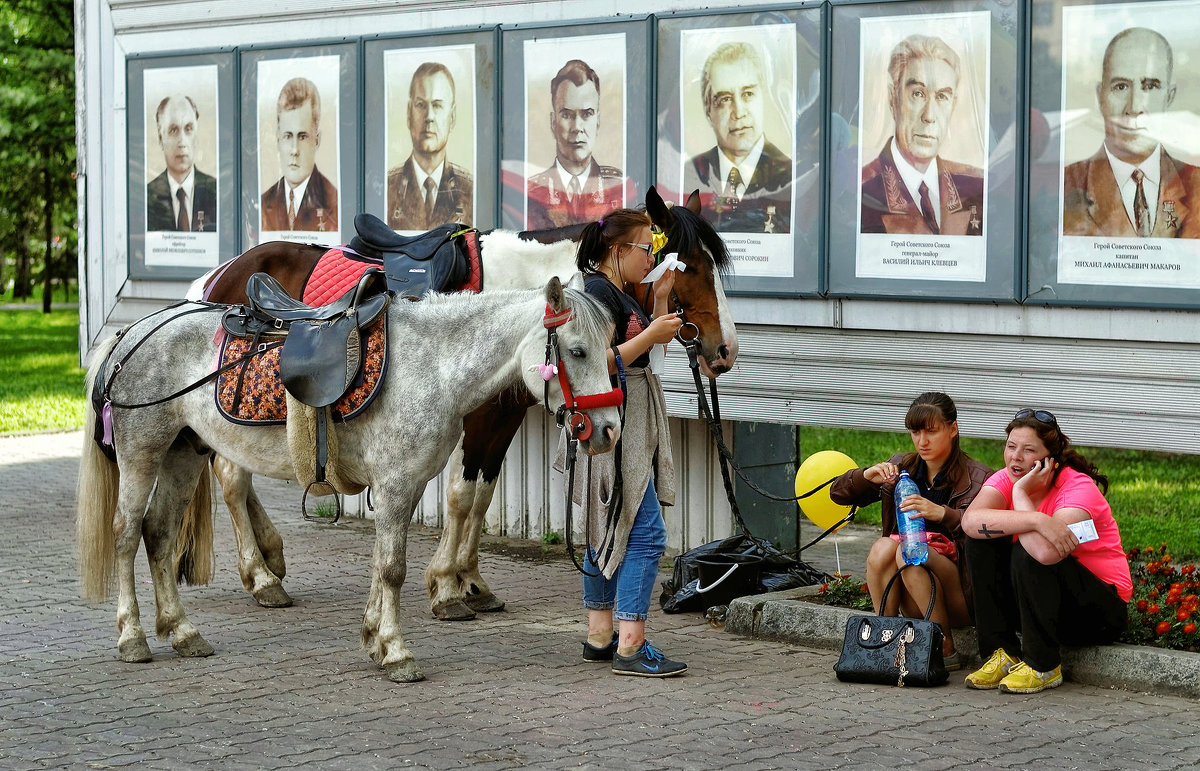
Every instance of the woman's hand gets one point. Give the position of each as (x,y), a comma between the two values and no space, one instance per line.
(1035,482)
(925,508)
(882,472)
(663,286)
(1058,535)
(663,328)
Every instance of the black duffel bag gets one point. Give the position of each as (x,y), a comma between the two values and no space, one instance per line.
(753,565)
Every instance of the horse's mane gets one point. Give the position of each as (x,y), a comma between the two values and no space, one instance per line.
(691,228)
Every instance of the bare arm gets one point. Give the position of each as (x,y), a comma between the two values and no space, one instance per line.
(1046,538)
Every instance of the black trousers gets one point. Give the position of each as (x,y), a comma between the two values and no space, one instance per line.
(1050,605)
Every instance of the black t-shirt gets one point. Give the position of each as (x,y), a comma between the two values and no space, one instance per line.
(630,319)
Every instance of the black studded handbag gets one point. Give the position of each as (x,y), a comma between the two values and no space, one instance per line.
(893,650)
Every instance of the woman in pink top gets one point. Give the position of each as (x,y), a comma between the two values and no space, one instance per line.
(1031,573)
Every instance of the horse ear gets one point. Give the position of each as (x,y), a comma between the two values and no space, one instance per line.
(555,297)
(576,282)
(693,202)
(657,208)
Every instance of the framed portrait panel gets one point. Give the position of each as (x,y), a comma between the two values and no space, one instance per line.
(739,119)
(430,146)
(1115,153)
(180,161)
(924,145)
(300,135)
(575,116)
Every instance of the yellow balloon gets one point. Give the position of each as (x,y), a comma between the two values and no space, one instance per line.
(817,469)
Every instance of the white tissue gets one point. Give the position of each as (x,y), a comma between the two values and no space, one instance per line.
(669,262)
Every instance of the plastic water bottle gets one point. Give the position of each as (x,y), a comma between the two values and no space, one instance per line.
(914,544)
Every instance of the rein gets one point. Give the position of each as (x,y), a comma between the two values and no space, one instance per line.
(106,392)
(712,416)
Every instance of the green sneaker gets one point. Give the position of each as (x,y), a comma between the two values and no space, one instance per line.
(990,674)
(1025,679)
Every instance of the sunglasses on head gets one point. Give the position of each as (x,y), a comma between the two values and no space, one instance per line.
(1041,415)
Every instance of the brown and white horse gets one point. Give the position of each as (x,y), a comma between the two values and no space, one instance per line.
(510,261)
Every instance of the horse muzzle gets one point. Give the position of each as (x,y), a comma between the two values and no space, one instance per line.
(719,359)
(603,439)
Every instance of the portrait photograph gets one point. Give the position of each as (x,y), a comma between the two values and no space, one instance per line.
(430,129)
(1129,143)
(182,165)
(737,107)
(576,108)
(299,174)
(923,147)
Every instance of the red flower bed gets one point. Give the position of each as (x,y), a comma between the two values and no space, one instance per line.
(1163,612)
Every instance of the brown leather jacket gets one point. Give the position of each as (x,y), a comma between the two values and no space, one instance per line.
(853,489)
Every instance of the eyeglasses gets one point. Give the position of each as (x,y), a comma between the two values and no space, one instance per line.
(648,248)
(1042,415)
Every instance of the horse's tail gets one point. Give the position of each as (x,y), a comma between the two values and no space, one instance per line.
(96,498)
(194,554)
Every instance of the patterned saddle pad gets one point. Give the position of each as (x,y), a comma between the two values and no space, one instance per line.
(262,400)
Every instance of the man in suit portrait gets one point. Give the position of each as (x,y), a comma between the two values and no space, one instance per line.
(1131,187)
(909,188)
(745,181)
(182,197)
(576,188)
(428,190)
(303,199)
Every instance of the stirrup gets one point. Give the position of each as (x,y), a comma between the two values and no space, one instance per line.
(337,500)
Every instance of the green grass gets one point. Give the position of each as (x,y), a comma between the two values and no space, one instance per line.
(1154,495)
(42,387)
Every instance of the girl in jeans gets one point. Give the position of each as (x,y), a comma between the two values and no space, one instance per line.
(615,253)
(1030,572)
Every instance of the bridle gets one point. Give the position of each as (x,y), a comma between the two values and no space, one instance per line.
(571,415)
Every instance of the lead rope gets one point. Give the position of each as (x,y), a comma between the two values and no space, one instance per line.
(712,417)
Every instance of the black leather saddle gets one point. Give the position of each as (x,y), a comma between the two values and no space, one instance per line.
(434,261)
(323,346)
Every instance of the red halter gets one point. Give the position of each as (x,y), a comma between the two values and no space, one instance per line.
(572,411)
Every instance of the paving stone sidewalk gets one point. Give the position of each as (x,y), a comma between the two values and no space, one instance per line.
(291,688)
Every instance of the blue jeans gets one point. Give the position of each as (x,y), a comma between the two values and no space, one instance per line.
(633,582)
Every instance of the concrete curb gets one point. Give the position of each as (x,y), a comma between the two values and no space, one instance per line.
(788,617)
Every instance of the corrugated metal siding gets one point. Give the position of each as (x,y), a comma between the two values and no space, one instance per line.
(1111,394)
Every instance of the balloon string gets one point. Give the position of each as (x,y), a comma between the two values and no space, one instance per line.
(837,555)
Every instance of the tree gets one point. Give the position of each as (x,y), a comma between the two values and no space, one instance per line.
(37,140)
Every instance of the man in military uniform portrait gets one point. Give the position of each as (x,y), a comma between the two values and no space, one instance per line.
(576,188)
(428,190)
(303,199)
(182,198)
(1131,187)
(745,181)
(909,188)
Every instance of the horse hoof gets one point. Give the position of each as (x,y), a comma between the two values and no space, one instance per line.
(484,603)
(135,652)
(273,596)
(193,647)
(405,672)
(453,611)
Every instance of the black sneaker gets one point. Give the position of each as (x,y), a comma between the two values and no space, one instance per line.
(594,655)
(647,662)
